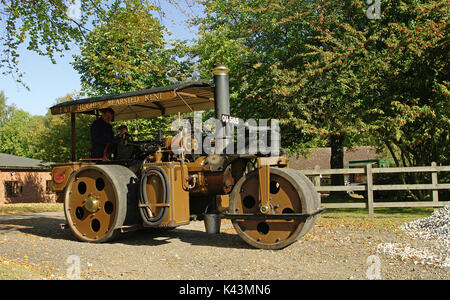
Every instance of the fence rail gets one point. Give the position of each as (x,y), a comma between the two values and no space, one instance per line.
(370,187)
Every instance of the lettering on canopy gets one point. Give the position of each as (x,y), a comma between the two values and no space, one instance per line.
(123,101)
(82,107)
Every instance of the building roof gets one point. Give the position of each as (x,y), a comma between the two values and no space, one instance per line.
(12,162)
(321,157)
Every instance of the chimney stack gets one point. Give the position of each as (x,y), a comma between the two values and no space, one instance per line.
(222,107)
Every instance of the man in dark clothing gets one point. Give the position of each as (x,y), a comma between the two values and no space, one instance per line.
(125,148)
(102,133)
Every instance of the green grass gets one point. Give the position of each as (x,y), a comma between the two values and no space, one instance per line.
(385,219)
(19,208)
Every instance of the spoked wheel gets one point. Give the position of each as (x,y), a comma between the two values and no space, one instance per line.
(99,199)
(290,192)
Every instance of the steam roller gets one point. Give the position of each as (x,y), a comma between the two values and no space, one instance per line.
(171,180)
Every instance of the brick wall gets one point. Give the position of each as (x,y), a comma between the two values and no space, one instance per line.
(32,186)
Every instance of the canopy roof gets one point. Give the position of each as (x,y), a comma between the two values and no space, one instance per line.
(160,101)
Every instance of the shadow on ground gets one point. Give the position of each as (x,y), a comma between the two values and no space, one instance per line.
(50,227)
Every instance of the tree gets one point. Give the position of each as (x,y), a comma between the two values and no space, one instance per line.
(46,27)
(125,52)
(324,64)
(246,36)
(279,52)
(18,135)
(55,137)
(6,111)
(324,68)
(409,95)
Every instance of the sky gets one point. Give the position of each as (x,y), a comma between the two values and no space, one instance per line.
(48,81)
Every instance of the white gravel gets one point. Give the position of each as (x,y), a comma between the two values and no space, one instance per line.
(424,256)
(434,228)
(435,231)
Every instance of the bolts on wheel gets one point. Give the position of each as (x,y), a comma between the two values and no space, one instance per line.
(264,209)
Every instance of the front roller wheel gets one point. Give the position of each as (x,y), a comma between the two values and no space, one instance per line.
(290,192)
(99,199)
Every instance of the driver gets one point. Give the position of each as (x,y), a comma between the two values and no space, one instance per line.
(102,134)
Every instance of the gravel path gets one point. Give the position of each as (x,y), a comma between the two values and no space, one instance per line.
(189,253)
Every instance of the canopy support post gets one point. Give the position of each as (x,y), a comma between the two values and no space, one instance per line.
(72,123)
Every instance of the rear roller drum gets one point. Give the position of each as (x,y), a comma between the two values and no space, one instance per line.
(99,199)
(290,192)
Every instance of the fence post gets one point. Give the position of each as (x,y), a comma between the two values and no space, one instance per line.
(317,182)
(369,180)
(434,181)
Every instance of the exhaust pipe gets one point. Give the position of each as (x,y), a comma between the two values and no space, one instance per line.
(221,91)
(222,107)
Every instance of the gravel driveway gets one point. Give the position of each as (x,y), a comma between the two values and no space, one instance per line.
(189,253)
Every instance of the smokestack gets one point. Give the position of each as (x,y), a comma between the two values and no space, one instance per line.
(222,107)
(221,91)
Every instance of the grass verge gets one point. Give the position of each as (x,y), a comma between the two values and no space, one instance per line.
(385,219)
(19,208)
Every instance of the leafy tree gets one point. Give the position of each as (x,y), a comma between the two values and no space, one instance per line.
(6,111)
(45,27)
(245,36)
(326,69)
(48,28)
(18,134)
(408,99)
(55,137)
(409,96)
(278,54)
(125,52)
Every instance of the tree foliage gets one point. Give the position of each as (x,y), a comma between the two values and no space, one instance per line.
(19,131)
(408,99)
(45,27)
(127,51)
(6,111)
(55,138)
(324,69)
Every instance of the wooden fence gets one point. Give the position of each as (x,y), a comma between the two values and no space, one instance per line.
(370,187)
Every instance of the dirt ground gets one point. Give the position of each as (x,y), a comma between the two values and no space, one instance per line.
(188,252)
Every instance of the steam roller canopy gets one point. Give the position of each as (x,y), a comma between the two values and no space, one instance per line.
(98,201)
(290,193)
